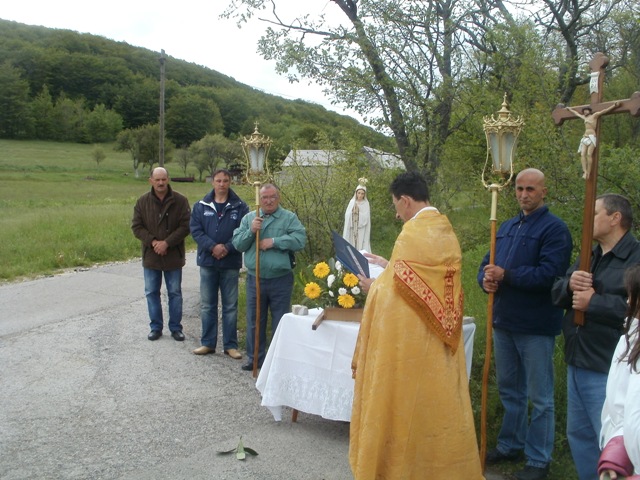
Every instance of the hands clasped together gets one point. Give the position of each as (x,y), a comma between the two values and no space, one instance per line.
(160,247)
(219,251)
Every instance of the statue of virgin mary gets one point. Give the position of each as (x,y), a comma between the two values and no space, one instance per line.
(357,218)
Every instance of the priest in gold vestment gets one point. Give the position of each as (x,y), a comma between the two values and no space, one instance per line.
(412,416)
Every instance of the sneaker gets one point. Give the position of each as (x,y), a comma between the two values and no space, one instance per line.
(496,456)
(530,472)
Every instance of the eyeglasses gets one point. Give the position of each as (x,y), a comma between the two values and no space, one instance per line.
(270,198)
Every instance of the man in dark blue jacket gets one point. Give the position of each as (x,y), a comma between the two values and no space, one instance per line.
(532,249)
(213,220)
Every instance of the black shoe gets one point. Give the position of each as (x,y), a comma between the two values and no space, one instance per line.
(178,336)
(249,366)
(496,456)
(532,473)
(154,335)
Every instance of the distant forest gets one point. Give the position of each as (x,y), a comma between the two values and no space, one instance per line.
(61,85)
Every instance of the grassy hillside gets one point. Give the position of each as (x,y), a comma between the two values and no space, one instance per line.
(53,79)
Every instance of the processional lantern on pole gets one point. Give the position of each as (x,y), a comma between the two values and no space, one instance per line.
(256,151)
(502,138)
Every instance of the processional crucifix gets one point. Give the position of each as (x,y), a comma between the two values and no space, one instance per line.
(589,148)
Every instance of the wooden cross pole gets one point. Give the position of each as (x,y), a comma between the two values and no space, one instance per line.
(589,148)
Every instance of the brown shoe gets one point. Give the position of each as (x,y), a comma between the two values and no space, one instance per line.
(233,353)
(204,350)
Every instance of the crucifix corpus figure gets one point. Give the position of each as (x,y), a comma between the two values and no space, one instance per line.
(588,142)
(589,148)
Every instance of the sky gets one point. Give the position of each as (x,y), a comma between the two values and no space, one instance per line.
(188,30)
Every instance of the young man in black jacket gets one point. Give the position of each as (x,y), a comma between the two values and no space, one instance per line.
(589,348)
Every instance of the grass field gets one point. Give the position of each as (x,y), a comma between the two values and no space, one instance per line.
(60,210)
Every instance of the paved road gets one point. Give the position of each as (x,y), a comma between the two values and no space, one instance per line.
(84,394)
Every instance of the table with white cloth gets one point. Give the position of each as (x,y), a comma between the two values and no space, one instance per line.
(310,370)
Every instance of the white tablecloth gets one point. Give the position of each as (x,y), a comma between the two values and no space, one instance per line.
(310,370)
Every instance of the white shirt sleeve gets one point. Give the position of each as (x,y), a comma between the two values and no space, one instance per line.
(631,424)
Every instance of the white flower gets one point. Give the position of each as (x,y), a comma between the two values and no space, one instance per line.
(342,291)
(331,294)
(355,290)
(330,279)
(338,266)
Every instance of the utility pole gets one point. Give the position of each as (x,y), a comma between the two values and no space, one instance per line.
(161,150)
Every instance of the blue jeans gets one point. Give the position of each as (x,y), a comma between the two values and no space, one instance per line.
(275,294)
(226,281)
(586,391)
(152,284)
(524,370)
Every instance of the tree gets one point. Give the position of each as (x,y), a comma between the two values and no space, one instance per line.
(583,27)
(149,146)
(15,116)
(126,142)
(189,117)
(42,112)
(234,109)
(98,155)
(183,159)
(137,102)
(211,151)
(67,119)
(143,144)
(408,66)
(102,125)
(399,63)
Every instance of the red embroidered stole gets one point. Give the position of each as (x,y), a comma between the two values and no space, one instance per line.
(435,293)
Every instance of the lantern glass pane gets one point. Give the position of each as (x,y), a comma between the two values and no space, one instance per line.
(261,156)
(509,141)
(254,158)
(494,145)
